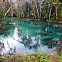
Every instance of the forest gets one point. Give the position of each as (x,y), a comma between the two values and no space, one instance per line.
(39,9)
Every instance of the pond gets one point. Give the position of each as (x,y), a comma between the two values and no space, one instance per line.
(34,36)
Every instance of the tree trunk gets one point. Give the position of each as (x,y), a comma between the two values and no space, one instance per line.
(23,14)
(19,13)
(34,13)
(12,13)
(8,9)
(37,10)
(50,14)
(28,12)
(56,11)
(40,7)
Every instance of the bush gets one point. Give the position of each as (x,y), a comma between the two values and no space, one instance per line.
(37,57)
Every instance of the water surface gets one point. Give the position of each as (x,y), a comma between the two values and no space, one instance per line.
(36,36)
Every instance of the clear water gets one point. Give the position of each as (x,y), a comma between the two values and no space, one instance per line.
(36,36)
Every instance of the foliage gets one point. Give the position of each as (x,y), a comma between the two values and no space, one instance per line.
(37,57)
(1,12)
(40,9)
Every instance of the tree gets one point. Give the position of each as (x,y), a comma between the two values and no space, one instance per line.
(1,13)
(56,3)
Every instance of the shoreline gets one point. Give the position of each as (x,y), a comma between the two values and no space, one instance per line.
(56,22)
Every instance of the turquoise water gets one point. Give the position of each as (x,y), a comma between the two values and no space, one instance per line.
(35,34)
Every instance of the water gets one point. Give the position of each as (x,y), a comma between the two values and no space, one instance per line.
(36,36)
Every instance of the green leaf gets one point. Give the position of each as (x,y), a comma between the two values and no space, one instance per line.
(2,57)
(50,61)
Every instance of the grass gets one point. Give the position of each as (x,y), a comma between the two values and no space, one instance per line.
(37,57)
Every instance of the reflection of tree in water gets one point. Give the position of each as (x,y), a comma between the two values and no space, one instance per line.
(31,42)
(36,42)
(5,26)
(4,29)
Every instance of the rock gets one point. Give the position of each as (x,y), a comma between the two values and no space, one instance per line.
(14,24)
(20,31)
(59,47)
(2,49)
(0,24)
